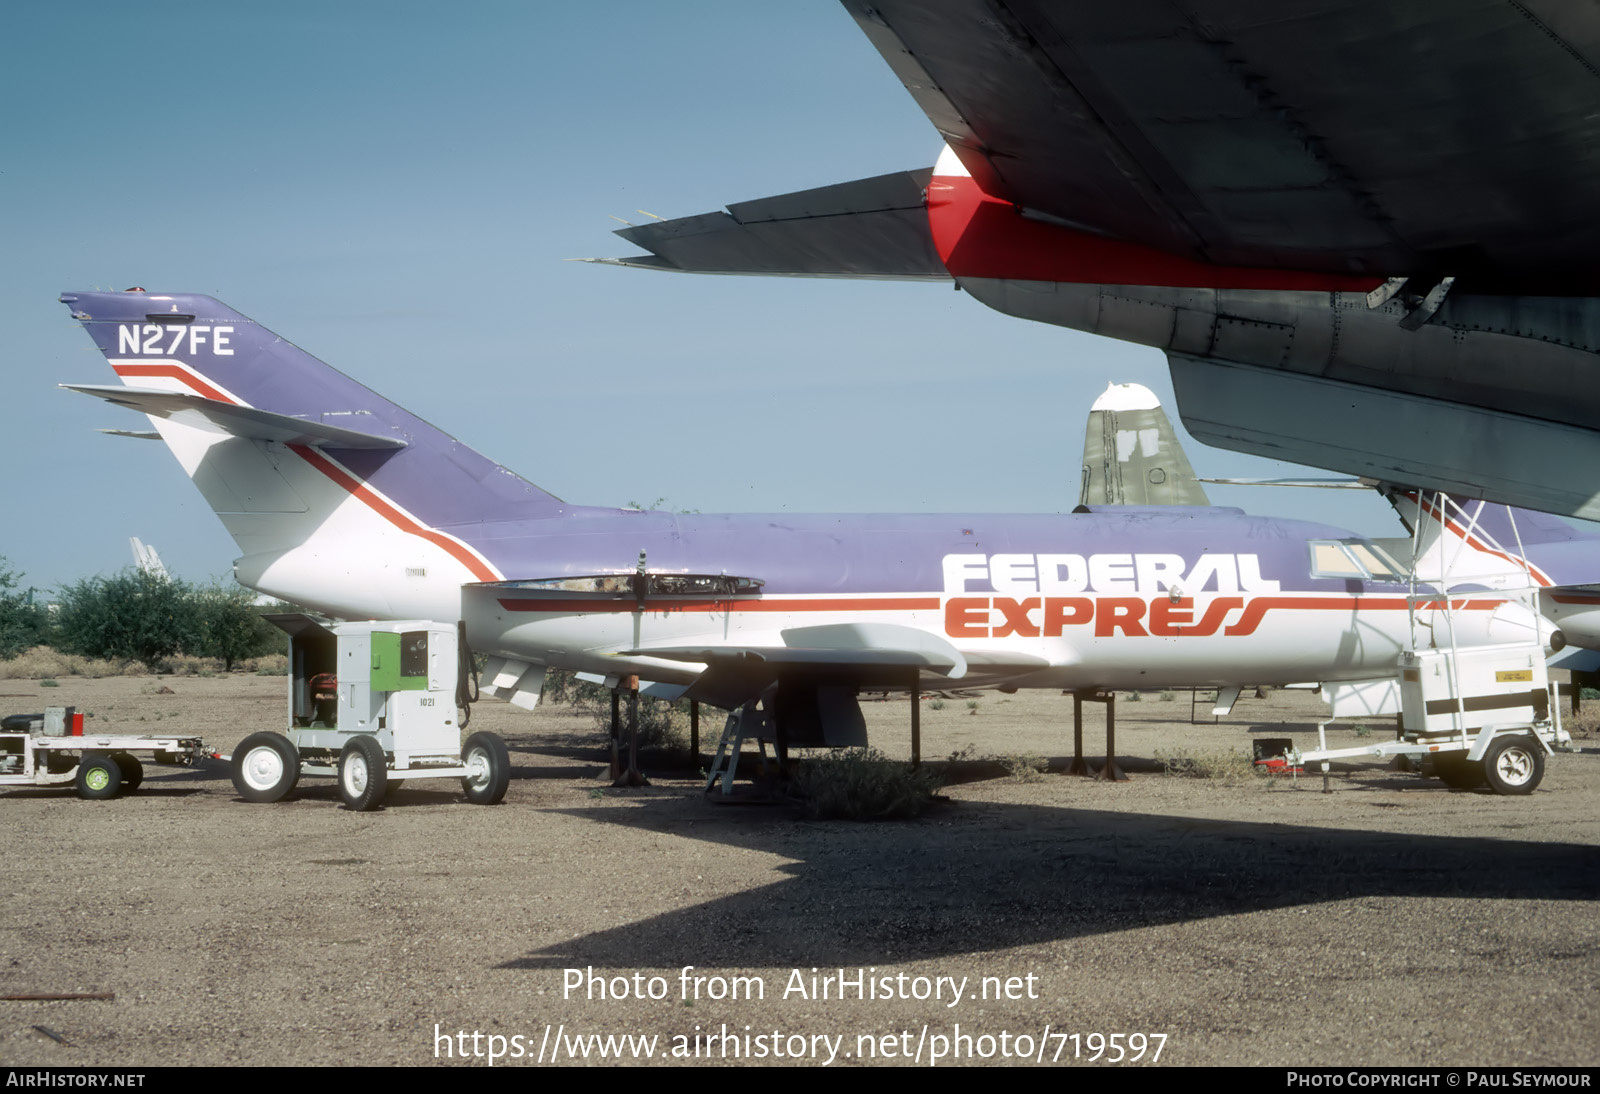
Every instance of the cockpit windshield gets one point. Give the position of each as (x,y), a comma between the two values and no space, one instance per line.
(1354,558)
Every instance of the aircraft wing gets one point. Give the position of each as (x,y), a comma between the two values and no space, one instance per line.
(873,228)
(1270,133)
(867,654)
(239,421)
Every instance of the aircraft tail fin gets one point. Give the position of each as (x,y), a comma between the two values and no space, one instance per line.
(1131,454)
(310,471)
(1471,540)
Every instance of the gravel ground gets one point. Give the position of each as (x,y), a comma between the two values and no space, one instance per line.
(1393,921)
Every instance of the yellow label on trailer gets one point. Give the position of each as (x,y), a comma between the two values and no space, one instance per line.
(1513,675)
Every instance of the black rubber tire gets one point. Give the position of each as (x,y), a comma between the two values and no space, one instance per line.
(132,771)
(266,767)
(489,751)
(99,777)
(1459,772)
(1513,765)
(363,774)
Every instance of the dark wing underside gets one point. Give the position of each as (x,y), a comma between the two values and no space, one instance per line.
(1348,136)
(871,228)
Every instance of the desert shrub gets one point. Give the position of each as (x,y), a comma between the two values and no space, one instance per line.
(227,626)
(1226,766)
(862,784)
(42,662)
(662,725)
(1025,769)
(134,614)
(22,622)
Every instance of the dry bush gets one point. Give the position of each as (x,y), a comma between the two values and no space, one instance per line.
(1024,769)
(1226,766)
(863,784)
(1584,725)
(43,663)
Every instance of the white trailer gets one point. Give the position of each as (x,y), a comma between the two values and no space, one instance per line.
(1482,716)
(373,704)
(50,749)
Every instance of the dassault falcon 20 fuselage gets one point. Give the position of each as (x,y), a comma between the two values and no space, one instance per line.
(344,502)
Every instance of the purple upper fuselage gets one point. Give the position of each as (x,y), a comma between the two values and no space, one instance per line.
(527,533)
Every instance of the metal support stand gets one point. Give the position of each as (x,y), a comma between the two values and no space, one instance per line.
(1110,772)
(616,733)
(631,776)
(916,719)
(1079,765)
(694,730)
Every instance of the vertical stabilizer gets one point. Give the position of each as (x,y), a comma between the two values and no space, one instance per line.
(1131,455)
(338,498)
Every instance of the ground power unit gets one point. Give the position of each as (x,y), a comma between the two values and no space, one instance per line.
(373,704)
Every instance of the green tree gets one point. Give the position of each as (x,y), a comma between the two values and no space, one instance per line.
(133,614)
(22,622)
(228,626)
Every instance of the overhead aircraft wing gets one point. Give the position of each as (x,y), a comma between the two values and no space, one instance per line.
(239,421)
(873,228)
(1269,133)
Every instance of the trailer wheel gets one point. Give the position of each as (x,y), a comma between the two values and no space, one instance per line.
(363,774)
(132,770)
(486,758)
(99,778)
(1513,765)
(266,767)
(1458,772)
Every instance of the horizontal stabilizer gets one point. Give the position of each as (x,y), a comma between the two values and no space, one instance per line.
(874,228)
(1311,484)
(239,421)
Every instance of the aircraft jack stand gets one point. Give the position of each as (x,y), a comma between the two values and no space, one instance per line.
(629,776)
(746,722)
(1080,766)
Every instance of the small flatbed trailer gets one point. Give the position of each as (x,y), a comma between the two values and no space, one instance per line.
(42,750)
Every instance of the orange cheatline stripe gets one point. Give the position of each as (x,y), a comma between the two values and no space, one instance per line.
(851,604)
(365,494)
(176,373)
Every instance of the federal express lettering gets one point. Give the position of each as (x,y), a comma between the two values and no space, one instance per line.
(1149,594)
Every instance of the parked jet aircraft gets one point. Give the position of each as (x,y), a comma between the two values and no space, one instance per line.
(345,502)
(1362,234)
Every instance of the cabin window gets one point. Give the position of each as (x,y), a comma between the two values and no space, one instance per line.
(1353,558)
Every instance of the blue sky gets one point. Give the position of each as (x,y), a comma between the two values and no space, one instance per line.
(394,187)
